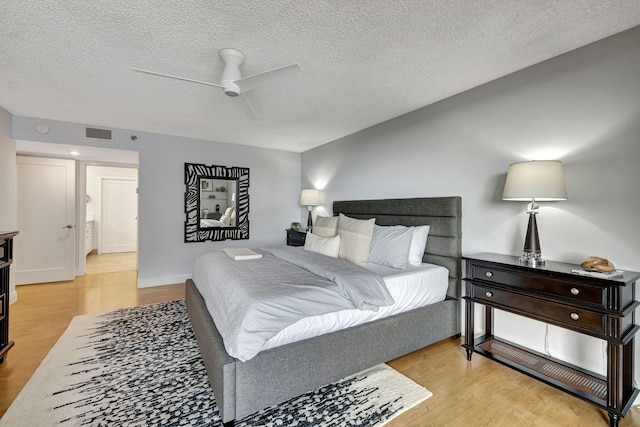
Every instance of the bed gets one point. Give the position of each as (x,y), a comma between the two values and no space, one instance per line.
(283,372)
(215,219)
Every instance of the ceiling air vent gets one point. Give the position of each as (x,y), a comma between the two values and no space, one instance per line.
(95,133)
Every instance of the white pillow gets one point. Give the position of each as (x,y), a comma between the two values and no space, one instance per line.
(355,239)
(329,246)
(228,211)
(418,244)
(390,245)
(326,226)
(232,218)
(225,219)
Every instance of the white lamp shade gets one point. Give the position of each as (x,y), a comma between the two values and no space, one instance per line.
(536,180)
(310,197)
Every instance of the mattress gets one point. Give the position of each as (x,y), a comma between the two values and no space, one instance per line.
(411,288)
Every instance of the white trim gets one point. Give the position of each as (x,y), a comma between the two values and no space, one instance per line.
(165,280)
(13,296)
(81,217)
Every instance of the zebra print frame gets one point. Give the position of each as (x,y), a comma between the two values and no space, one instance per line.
(192,231)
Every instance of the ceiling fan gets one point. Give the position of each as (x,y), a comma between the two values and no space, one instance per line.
(232,82)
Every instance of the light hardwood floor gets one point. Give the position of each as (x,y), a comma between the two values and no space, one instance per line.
(479,393)
(111,263)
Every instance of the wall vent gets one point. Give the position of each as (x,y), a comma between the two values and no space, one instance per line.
(95,133)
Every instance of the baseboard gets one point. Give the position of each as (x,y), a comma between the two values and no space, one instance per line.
(13,297)
(161,281)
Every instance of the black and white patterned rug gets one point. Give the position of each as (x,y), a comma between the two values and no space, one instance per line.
(141,367)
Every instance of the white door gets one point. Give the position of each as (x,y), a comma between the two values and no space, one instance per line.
(45,247)
(119,225)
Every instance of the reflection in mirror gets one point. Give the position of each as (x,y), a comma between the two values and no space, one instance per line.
(216,203)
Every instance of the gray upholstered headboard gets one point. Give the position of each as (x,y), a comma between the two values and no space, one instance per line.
(443,214)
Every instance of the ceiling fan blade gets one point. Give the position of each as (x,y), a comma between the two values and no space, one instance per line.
(251,82)
(242,103)
(175,77)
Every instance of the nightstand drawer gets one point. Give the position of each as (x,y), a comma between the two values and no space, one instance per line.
(575,291)
(570,317)
(296,238)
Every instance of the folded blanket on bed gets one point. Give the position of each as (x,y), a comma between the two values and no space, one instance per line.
(250,302)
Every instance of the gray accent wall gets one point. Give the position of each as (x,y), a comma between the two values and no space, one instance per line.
(582,108)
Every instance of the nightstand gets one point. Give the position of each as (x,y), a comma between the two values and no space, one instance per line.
(295,238)
(601,308)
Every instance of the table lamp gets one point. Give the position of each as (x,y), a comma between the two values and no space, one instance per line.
(534,181)
(310,198)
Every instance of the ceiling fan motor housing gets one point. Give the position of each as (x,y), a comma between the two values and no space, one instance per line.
(232,60)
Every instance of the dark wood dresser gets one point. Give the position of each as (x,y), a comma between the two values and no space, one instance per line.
(598,307)
(6,257)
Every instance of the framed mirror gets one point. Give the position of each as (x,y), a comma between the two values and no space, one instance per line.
(216,203)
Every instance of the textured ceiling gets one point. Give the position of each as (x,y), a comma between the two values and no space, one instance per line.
(364,62)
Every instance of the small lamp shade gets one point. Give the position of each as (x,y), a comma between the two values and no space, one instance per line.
(537,180)
(310,197)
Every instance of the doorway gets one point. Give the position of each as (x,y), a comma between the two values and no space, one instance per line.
(111,219)
(45,247)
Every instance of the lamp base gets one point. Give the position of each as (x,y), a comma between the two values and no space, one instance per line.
(532,259)
(532,255)
(309,220)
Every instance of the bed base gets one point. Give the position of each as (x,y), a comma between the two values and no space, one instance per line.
(278,374)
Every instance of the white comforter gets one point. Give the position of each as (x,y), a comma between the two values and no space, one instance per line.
(251,301)
(411,288)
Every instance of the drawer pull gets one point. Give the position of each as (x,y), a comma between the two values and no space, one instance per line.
(489,274)
(575,291)
(488,294)
(575,316)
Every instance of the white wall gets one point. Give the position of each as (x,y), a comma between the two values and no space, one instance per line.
(274,192)
(163,257)
(8,187)
(582,108)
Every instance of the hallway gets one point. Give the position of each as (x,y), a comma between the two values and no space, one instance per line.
(111,263)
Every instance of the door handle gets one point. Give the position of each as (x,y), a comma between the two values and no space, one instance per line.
(67,226)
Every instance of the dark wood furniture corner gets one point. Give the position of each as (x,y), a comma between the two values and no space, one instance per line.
(295,238)
(6,257)
(601,308)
